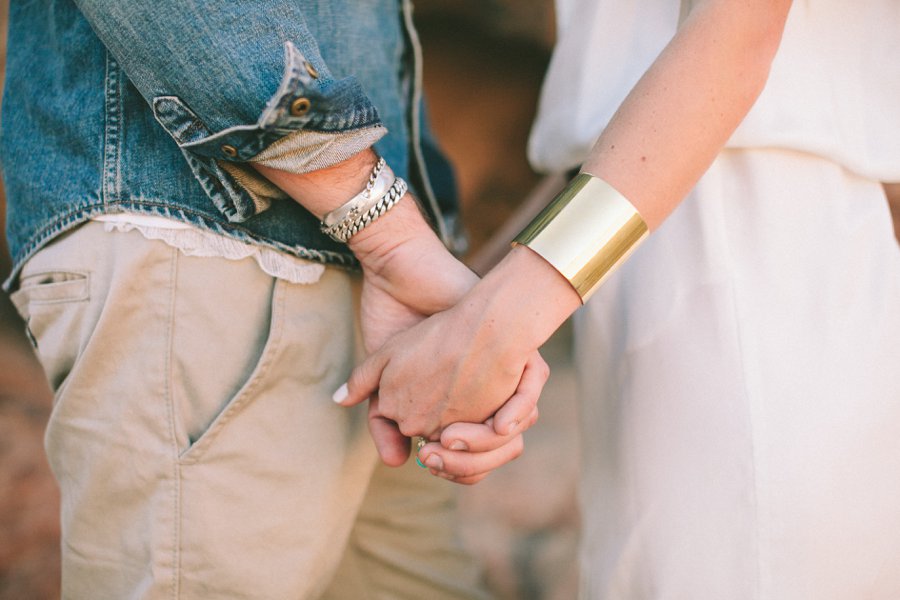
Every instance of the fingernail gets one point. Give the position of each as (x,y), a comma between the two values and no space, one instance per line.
(509,428)
(459,445)
(341,394)
(434,461)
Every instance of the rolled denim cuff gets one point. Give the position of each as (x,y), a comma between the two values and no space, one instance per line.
(311,122)
(299,152)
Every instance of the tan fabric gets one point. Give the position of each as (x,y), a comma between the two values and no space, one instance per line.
(197,449)
(299,152)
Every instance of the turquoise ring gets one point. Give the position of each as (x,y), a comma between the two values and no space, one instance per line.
(420,442)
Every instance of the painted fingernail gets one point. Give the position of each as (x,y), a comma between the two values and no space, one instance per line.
(434,461)
(341,394)
(458,445)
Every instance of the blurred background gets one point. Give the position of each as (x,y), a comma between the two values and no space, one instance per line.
(484,60)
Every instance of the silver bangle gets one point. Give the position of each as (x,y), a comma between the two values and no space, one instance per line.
(382,192)
(384,204)
(376,178)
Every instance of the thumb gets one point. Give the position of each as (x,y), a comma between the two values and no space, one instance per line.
(363,381)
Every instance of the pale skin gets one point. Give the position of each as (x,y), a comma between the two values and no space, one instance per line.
(662,139)
(407,275)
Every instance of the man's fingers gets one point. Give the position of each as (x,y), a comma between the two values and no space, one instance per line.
(481,437)
(461,480)
(520,406)
(462,465)
(392,446)
(363,381)
(472,437)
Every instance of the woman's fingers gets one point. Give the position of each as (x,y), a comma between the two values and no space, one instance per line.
(363,381)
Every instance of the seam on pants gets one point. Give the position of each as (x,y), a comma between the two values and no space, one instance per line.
(170,407)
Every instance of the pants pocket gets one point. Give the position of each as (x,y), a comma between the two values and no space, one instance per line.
(220,350)
(50,303)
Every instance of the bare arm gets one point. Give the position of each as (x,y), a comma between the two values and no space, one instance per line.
(680,114)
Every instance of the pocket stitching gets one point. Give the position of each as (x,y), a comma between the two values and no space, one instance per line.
(193,453)
(23,297)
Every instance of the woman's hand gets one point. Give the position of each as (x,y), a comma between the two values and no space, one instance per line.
(465,363)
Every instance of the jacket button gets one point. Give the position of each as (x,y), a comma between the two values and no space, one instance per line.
(311,70)
(229,150)
(300,107)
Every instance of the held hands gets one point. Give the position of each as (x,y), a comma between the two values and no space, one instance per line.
(408,274)
(461,365)
(430,380)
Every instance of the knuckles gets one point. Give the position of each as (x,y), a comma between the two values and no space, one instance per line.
(417,427)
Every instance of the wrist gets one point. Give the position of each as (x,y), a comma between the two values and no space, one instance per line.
(402,227)
(525,298)
(401,255)
(323,190)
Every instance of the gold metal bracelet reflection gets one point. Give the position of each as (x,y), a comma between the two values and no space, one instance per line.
(587,231)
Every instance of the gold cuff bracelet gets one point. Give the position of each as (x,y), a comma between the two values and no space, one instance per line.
(585,232)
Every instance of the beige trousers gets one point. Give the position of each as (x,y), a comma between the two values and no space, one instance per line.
(197,449)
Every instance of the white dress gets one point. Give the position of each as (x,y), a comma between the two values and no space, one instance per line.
(741,373)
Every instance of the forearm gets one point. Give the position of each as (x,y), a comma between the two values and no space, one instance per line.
(661,140)
(680,114)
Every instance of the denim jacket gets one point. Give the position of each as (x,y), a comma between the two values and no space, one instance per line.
(135,106)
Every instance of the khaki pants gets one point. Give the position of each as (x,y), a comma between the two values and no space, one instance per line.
(194,439)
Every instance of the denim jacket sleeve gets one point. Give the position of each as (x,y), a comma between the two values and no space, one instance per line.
(228,80)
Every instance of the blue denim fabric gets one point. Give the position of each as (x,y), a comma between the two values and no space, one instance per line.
(126,105)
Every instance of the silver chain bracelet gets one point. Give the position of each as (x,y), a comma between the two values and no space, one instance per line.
(382,192)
